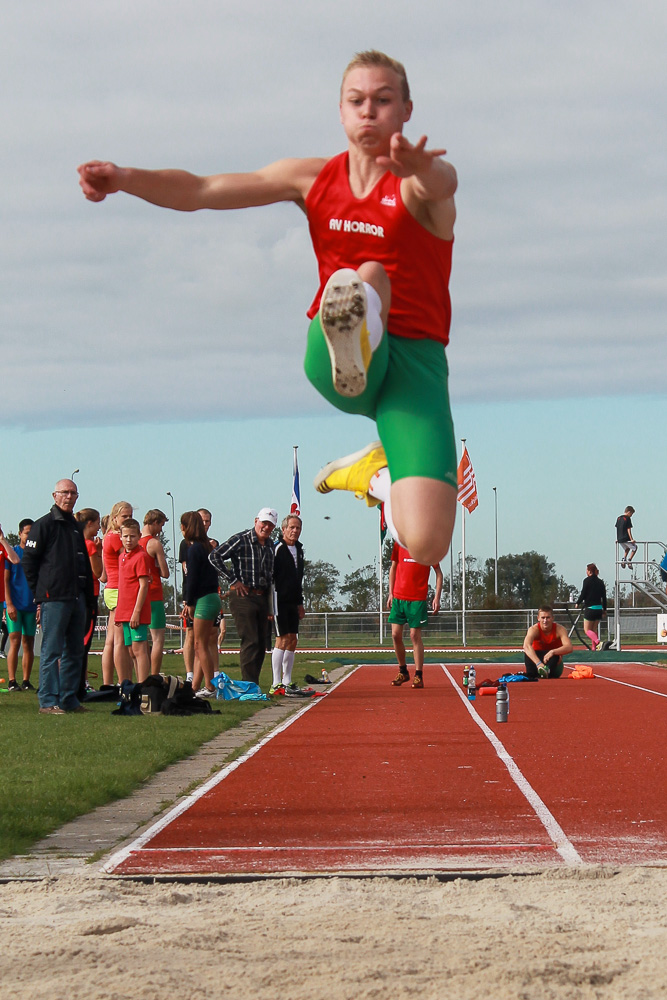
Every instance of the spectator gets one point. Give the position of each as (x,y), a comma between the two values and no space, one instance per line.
(189,658)
(624,536)
(593,599)
(133,610)
(250,579)
(219,623)
(21,615)
(114,654)
(545,645)
(58,572)
(6,553)
(202,599)
(89,518)
(663,570)
(288,603)
(154,522)
(408,592)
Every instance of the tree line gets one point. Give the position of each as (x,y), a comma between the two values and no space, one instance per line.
(525,580)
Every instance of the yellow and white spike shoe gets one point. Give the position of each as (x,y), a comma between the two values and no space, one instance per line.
(343,319)
(353,472)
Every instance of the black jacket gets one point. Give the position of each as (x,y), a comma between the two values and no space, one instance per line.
(55,561)
(288,578)
(200,578)
(593,591)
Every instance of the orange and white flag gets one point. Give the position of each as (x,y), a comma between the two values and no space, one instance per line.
(465,475)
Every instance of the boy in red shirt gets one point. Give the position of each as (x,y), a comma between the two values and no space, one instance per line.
(408,590)
(133,611)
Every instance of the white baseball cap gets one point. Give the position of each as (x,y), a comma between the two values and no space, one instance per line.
(268,514)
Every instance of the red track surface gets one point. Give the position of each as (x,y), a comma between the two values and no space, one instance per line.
(376,778)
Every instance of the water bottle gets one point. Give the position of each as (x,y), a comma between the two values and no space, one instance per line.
(325,676)
(502,703)
(472,689)
(466,671)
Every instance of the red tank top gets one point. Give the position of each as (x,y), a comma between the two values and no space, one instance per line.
(347,231)
(91,549)
(111,550)
(411,582)
(546,640)
(155,586)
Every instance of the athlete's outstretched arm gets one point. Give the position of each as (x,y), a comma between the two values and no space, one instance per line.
(431,177)
(428,183)
(285,180)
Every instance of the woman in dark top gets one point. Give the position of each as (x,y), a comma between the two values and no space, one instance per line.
(593,599)
(202,598)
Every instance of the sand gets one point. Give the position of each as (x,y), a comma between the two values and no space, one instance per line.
(574,933)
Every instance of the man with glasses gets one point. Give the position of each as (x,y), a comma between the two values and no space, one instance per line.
(57,568)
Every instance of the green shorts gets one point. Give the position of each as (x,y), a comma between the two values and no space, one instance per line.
(25,624)
(412,613)
(131,635)
(208,607)
(406,395)
(111,598)
(158,616)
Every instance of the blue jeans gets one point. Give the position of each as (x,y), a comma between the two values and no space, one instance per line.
(61,661)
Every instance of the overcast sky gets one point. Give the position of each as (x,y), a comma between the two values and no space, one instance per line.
(121,313)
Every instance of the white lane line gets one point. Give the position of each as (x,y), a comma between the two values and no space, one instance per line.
(120,856)
(563,845)
(637,687)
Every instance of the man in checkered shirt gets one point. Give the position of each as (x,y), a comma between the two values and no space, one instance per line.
(245,563)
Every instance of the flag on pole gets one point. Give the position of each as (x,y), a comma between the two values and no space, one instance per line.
(295,507)
(467,495)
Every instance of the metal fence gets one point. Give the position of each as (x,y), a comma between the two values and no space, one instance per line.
(341,629)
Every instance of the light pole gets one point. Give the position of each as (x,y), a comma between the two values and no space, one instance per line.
(495,506)
(73,474)
(173,542)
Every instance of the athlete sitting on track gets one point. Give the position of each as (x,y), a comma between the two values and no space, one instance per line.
(381,219)
(545,645)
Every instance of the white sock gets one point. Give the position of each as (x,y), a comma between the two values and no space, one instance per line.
(380,488)
(374,322)
(288,663)
(277,664)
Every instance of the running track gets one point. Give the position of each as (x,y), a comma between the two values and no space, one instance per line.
(380,779)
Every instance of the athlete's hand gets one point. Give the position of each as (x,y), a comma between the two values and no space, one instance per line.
(98,179)
(406,159)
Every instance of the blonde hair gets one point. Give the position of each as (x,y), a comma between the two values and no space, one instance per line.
(371,58)
(115,511)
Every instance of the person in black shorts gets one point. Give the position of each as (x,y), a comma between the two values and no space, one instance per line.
(288,602)
(545,645)
(593,599)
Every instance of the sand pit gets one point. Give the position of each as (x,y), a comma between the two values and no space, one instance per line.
(565,934)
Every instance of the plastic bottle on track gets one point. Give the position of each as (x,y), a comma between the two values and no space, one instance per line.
(502,703)
(472,684)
